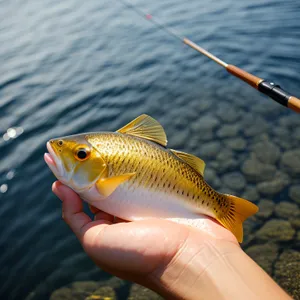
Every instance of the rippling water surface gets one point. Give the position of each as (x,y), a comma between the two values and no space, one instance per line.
(75,66)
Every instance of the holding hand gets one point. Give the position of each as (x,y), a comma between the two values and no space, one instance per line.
(174,260)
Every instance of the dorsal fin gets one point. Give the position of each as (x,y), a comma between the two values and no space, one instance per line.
(195,162)
(147,128)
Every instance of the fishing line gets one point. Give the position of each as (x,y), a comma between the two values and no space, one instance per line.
(268,88)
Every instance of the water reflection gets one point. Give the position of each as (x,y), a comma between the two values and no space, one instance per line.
(10,175)
(3,188)
(12,133)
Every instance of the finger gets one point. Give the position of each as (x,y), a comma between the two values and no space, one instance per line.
(73,213)
(101,215)
(93,209)
(119,220)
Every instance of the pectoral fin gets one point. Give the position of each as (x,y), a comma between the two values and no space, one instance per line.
(107,186)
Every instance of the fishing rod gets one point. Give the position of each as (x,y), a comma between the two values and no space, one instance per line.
(268,88)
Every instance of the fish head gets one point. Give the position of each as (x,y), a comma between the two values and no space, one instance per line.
(75,162)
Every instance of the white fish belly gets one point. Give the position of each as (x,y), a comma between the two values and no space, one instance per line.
(141,204)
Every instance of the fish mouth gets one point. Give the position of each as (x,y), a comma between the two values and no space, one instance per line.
(53,162)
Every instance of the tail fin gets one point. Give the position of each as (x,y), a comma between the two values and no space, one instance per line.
(240,210)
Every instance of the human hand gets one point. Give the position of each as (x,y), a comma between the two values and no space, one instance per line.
(175,260)
(140,251)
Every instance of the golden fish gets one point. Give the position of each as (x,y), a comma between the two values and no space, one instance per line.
(131,174)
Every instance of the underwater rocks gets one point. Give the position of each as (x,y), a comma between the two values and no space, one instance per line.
(296,134)
(287,210)
(280,132)
(269,109)
(234,180)
(224,155)
(250,226)
(290,122)
(266,208)
(276,230)
(212,178)
(210,149)
(250,193)
(102,290)
(254,126)
(264,255)
(203,105)
(193,145)
(282,138)
(228,130)
(179,140)
(205,123)
(227,113)
(275,185)
(236,144)
(87,290)
(287,272)
(139,292)
(291,161)
(294,193)
(225,161)
(286,142)
(204,127)
(295,222)
(266,152)
(255,171)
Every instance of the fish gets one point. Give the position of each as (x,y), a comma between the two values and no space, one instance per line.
(132,174)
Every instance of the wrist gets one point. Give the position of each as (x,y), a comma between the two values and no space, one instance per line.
(213,269)
(194,271)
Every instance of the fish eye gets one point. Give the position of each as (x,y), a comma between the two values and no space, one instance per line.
(60,143)
(82,154)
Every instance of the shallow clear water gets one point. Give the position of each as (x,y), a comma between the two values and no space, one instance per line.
(73,66)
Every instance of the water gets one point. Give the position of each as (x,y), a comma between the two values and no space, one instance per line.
(72,66)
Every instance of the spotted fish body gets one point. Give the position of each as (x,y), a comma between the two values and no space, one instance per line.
(140,178)
(157,170)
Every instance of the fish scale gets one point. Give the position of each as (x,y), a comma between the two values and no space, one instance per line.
(184,181)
